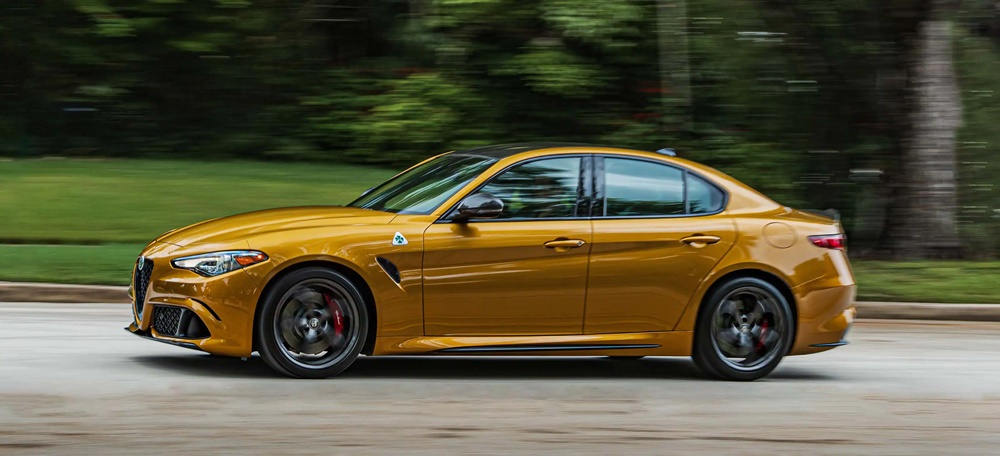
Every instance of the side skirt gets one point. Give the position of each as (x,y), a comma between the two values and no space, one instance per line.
(673,343)
(533,348)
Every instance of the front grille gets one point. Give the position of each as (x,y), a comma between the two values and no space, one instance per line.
(140,283)
(167,320)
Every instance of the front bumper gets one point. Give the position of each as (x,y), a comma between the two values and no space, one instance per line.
(223,304)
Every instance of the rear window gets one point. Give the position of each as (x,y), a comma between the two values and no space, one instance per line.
(642,188)
(703,198)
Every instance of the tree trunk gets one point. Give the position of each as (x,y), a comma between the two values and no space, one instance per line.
(926,225)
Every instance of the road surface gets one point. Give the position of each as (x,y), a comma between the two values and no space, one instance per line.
(72,381)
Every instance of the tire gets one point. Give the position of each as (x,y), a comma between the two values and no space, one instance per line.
(745,327)
(625,358)
(313,323)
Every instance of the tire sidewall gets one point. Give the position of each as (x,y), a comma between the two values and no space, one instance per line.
(269,347)
(704,352)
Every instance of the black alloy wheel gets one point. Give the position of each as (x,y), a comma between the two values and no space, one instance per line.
(744,329)
(313,324)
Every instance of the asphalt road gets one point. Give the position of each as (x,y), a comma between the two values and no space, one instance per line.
(73,382)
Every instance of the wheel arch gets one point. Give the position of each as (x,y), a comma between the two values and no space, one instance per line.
(354,276)
(688,321)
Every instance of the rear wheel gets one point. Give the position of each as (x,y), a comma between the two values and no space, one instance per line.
(745,328)
(313,324)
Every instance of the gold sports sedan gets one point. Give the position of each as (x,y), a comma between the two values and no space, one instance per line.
(523,249)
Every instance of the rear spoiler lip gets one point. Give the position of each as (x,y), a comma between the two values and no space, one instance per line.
(831,214)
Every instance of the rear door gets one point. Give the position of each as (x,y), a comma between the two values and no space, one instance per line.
(658,230)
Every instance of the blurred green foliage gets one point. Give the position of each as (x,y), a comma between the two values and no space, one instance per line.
(788,96)
(979,171)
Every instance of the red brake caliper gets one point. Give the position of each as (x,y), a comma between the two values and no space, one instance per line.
(763,335)
(338,319)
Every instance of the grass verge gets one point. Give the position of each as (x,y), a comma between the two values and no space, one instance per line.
(928,281)
(133,201)
(78,264)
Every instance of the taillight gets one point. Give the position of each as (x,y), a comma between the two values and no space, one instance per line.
(829,241)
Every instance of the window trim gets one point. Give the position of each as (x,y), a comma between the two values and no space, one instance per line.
(593,164)
(583,193)
(601,192)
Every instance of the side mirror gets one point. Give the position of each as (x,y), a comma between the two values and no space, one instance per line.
(480,205)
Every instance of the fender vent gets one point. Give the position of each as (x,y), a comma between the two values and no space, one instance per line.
(389,268)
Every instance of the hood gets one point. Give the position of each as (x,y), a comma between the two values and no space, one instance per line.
(238,227)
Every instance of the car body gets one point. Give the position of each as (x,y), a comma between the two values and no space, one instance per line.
(594,251)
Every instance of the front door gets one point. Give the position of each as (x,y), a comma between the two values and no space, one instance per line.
(522,273)
(658,231)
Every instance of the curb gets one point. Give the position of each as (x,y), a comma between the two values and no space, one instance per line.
(59,293)
(928,311)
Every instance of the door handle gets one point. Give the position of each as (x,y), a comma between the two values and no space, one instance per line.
(700,239)
(564,244)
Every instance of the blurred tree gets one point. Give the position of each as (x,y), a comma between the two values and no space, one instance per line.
(885,71)
(926,226)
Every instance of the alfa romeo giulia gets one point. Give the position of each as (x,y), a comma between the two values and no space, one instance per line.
(523,249)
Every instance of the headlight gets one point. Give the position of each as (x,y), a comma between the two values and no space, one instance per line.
(213,264)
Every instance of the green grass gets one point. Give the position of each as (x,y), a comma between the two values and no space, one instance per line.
(133,201)
(119,205)
(99,264)
(929,281)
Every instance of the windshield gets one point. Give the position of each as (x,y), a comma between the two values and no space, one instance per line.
(422,189)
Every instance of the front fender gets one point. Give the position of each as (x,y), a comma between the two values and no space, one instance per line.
(399,305)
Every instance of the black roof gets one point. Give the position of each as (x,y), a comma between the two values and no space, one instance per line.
(501,151)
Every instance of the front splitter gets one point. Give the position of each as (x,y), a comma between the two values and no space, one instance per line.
(132,328)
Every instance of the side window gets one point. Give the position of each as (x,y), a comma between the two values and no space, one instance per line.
(703,197)
(546,188)
(637,188)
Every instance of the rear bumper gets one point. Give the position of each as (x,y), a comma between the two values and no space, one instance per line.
(825,317)
(839,343)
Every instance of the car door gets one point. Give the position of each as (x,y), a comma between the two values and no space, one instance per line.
(658,231)
(522,273)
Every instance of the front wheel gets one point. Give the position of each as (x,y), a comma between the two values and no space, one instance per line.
(313,324)
(745,328)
